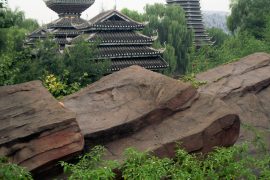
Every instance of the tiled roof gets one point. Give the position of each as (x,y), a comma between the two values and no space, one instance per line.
(120,38)
(68,22)
(117,34)
(153,63)
(127,51)
(69,6)
(64,32)
(113,20)
(108,14)
(61,41)
(39,33)
(116,25)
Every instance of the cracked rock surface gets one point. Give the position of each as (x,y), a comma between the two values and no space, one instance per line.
(36,131)
(245,87)
(139,108)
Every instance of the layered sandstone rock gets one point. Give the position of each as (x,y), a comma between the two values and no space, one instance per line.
(36,131)
(146,110)
(245,87)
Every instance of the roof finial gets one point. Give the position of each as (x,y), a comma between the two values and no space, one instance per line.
(115,4)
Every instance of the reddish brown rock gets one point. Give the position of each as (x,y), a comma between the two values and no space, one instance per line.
(245,86)
(36,131)
(206,124)
(146,110)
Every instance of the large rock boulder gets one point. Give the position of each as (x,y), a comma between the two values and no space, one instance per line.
(36,131)
(245,87)
(146,110)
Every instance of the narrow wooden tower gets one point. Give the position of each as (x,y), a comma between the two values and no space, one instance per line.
(194,18)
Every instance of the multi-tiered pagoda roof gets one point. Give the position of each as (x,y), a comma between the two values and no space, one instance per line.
(118,37)
(63,30)
(69,24)
(194,18)
(120,42)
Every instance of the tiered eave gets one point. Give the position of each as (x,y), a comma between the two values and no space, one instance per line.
(194,19)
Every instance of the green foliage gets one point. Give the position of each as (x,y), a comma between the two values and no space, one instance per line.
(9,18)
(62,73)
(223,163)
(139,166)
(170,57)
(82,65)
(58,87)
(191,78)
(8,71)
(134,15)
(258,140)
(218,36)
(250,16)
(13,28)
(91,166)
(169,24)
(10,171)
(233,48)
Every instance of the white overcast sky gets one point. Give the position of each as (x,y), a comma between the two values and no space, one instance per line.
(37,9)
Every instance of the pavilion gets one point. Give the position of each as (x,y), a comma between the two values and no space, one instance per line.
(117,34)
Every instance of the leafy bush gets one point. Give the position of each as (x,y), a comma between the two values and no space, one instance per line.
(59,88)
(223,163)
(139,165)
(10,171)
(91,166)
(7,70)
(233,48)
(218,36)
(62,72)
(192,80)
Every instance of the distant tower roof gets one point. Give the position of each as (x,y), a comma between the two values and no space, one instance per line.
(194,18)
(69,6)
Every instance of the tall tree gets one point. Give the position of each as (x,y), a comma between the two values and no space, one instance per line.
(169,24)
(250,16)
(13,28)
(218,36)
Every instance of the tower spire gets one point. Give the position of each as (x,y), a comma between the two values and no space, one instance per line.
(69,6)
(115,4)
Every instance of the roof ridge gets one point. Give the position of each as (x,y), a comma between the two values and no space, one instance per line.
(107,14)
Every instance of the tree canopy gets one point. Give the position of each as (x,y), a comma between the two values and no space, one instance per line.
(62,73)
(168,23)
(249,15)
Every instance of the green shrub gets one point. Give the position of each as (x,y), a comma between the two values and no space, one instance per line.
(223,163)
(91,166)
(191,78)
(233,49)
(141,166)
(10,171)
(59,87)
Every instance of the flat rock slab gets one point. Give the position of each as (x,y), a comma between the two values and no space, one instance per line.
(245,87)
(149,111)
(35,129)
(206,124)
(127,101)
